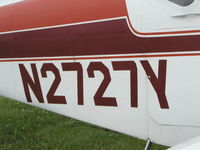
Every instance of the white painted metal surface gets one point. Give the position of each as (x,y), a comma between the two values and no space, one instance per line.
(192,144)
(149,16)
(163,126)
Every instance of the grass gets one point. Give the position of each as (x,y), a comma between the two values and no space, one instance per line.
(24,127)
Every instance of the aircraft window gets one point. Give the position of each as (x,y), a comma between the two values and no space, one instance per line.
(182,2)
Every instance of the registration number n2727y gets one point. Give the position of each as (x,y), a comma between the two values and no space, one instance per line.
(32,81)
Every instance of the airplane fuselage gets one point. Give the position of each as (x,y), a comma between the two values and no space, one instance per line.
(129,66)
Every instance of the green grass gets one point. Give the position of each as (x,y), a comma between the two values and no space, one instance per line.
(24,127)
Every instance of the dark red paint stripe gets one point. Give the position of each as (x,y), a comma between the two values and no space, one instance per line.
(110,37)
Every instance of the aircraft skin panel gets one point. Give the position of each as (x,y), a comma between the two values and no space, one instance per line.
(119,114)
(191,144)
(143,116)
(141,15)
(179,82)
(143,119)
(44,13)
(99,38)
(104,65)
(161,134)
(7,83)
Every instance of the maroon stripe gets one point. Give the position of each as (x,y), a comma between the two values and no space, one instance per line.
(5,46)
(110,37)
